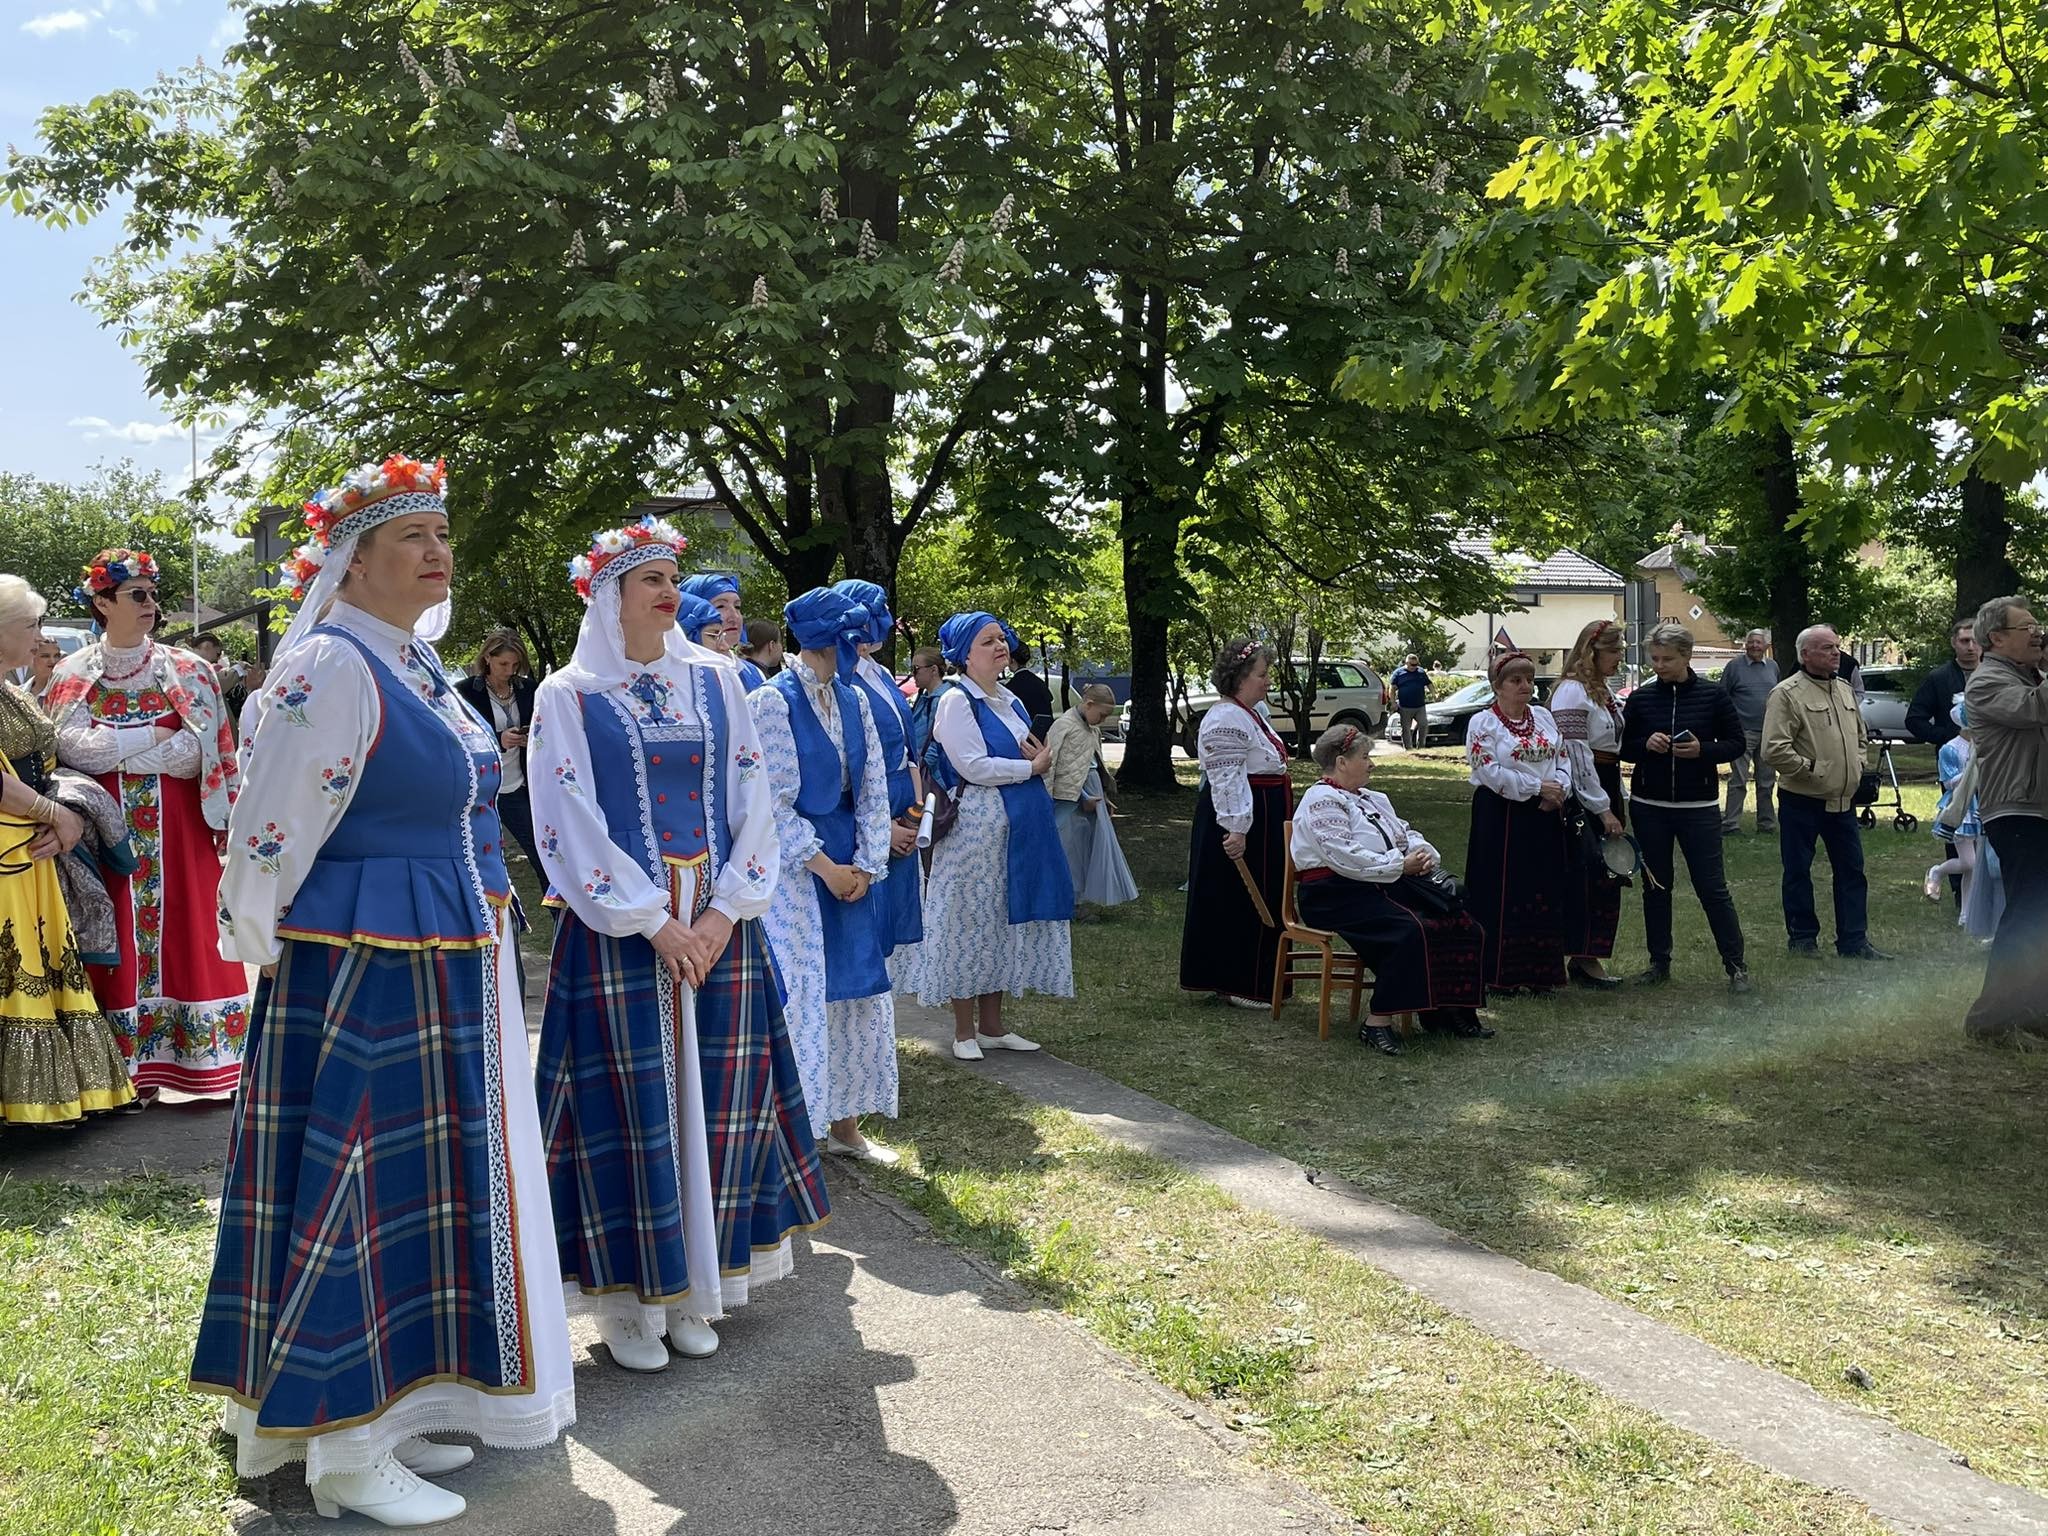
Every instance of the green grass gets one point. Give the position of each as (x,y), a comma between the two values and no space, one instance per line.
(1405,1418)
(99,1290)
(1819,1176)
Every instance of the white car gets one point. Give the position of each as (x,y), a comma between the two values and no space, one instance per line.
(1885,700)
(1348,692)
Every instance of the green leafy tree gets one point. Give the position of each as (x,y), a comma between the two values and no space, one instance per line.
(584,250)
(1825,216)
(50,529)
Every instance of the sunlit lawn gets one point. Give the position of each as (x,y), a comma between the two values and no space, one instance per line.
(1819,1176)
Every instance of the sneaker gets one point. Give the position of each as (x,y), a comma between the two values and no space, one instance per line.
(1802,946)
(1738,981)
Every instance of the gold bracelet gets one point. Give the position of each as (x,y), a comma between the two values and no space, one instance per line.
(44,810)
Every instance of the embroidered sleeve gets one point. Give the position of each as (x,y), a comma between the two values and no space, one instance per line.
(1344,841)
(1572,710)
(797,840)
(1225,748)
(599,874)
(293,794)
(747,882)
(871,799)
(91,747)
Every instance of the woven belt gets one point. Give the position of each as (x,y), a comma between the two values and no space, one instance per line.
(1609,759)
(1313,876)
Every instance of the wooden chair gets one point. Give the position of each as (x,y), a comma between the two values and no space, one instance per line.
(1320,955)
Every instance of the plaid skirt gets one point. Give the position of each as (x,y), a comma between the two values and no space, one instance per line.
(368,1241)
(614,1097)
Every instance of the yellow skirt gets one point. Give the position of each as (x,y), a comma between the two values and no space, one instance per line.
(58,1057)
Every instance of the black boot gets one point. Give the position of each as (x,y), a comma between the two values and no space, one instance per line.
(1464,1023)
(1655,975)
(1381,1040)
(1581,977)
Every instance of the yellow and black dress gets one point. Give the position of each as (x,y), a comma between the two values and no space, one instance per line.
(58,1058)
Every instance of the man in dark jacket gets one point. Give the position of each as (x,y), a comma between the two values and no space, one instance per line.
(1677,729)
(1928,716)
(1031,689)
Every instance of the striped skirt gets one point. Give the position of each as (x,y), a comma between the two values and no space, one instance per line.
(679,1152)
(383,1267)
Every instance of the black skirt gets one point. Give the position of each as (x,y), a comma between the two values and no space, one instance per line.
(1593,896)
(1224,947)
(1516,885)
(1419,961)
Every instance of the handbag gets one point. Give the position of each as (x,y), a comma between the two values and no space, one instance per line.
(1866,789)
(1439,892)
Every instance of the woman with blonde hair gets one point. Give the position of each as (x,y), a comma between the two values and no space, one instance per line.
(1589,718)
(501,691)
(1081,803)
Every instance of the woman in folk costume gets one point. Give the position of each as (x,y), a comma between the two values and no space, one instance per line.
(148,722)
(702,625)
(905,887)
(1226,947)
(722,592)
(1588,717)
(385,1265)
(828,926)
(1516,865)
(59,1061)
(999,902)
(1352,852)
(678,1147)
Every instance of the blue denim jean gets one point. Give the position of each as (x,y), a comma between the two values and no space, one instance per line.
(1804,820)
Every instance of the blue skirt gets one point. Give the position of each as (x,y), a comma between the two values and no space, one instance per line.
(366,1240)
(603,1079)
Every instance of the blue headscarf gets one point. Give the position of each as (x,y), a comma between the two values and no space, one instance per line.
(694,615)
(710,585)
(956,635)
(824,616)
(881,622)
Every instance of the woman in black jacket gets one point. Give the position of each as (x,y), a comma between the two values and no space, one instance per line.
(501,693)
(1677,729)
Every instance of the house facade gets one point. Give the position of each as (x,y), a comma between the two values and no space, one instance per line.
(1548,603)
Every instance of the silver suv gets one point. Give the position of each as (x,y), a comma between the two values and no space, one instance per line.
(1348,692)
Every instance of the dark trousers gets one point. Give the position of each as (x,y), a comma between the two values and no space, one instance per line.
(2015,994)
(1804,820)
(515,814)
(1697,833)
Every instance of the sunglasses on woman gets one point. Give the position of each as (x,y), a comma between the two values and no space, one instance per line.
(141,597)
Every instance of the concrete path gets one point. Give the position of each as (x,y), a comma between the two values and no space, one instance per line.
(1911,1483)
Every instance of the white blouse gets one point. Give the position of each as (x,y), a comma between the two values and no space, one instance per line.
(317,721)
(796,836)
(1354,833)
(1234,743)
(956,728)
(1588,726)
(1514,766)
(571,830)
(93,746)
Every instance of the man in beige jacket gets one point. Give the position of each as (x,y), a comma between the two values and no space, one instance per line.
(1815,740)
(2008,713)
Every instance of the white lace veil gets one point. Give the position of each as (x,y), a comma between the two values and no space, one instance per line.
(600,661)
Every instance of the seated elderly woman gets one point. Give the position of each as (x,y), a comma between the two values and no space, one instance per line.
(1354,857)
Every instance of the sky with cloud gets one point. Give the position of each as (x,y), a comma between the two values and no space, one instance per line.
(72,396)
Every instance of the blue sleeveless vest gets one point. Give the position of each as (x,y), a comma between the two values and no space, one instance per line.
(751,676)
(856,933)
(416,861)
(1041,887)
(905,886)
(663,784)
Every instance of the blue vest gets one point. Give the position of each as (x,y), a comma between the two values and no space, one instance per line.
(416,861)
(1041,887)
(856,932)
(663,781)
(905,893)
(751,676)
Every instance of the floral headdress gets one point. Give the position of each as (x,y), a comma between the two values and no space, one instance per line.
(373,494)
(108,569)
(617,550)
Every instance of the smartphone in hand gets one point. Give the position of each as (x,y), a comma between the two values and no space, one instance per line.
(1682,738)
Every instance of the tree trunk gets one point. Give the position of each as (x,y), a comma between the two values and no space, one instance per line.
(1777,472)
(1151,540)
(1984,568)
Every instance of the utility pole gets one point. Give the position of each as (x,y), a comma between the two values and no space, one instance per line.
(195,534)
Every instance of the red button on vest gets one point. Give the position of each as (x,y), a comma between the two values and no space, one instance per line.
(694,758)
(656,759)
(699,832)
(668,837)
(693,794)
(661,799)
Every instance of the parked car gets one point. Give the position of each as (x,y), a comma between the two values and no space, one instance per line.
(1885,698)
(1445,721)
(1348,692)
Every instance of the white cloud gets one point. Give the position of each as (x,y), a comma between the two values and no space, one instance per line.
(51,24)
(98,427)
(228,31)
(122,35)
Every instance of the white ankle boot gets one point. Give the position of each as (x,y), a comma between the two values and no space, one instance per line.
(691,1335)
(387,1494)
(430,1458)
(632,1346)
